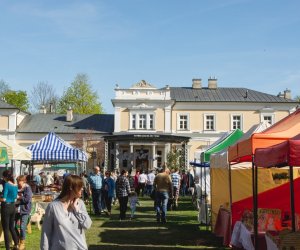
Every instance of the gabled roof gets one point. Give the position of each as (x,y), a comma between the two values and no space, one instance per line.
(188,94)
(43,123)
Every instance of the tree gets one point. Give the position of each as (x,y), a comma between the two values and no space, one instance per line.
(80,97)
(4,87)
(297,98)
(175,158)
(17,98)
(43,94)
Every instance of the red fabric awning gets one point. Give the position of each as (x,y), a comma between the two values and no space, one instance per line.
(283,154)
(281,131)
(275,198)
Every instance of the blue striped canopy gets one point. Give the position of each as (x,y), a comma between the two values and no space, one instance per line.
(53,148)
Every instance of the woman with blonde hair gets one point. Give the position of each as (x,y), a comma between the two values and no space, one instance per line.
(66,219)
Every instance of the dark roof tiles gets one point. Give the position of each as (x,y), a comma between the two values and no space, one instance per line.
(223,95)
(44,123)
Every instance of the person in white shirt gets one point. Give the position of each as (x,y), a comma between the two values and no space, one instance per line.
(49,179)
(150,180)
(142,183)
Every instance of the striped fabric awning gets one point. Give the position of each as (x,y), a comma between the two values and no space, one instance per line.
(53,148)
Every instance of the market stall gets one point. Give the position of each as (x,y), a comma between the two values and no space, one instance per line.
(236,177)
(244,150)
(52,150)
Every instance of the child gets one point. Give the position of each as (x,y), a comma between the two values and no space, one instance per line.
(133,201)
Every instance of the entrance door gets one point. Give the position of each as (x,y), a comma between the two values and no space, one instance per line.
(142,162)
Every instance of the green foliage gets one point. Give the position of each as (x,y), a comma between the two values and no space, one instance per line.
(17,98)
(4,87)
(80,97)
(297,98)
(175,158)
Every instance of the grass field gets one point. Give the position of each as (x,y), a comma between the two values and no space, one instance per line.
(182,231)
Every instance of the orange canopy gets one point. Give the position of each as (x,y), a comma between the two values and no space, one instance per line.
(281,131)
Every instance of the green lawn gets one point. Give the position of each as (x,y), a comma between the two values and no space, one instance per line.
(182,231)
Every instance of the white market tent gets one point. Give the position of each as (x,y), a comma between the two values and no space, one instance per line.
(221,194)
(15,151)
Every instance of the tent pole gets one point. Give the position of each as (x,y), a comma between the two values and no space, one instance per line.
(205,202)
(292,198)
(230,186)
(254,189)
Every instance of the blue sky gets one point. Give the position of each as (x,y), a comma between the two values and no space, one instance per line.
(253,44)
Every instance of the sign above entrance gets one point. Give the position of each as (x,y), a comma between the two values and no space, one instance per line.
(146,136)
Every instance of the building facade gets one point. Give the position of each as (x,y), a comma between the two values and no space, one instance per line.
(150,121)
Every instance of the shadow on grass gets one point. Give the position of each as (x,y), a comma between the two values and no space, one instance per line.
(182,231)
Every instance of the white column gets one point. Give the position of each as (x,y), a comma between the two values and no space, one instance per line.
(106,155)
(154,161)
(117,119)
(168,120)
(131,156)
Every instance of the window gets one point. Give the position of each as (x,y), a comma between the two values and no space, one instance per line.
(236,122)
(151,121)
(209,122)
(142,121)
(268,118)
(183,122)
(133,122)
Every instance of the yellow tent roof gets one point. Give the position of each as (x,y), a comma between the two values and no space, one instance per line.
(15,151)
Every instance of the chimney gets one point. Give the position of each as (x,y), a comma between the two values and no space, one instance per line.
(51,107)
(197,83)
(69,114)
(280,94)
(287,94)
(212,83)
(43,110)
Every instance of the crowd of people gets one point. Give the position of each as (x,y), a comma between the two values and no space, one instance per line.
(66,217)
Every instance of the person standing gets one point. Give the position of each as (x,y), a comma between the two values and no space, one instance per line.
(150,179)
(163,186)
(122,192)
(8,210)
(38,182)
(95,181)
(24,208)
(142,183)
(136,182)
(175,177)
(86,190)
(184,183)
(109,191)
(133,201)
(66,219)
(49,179)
